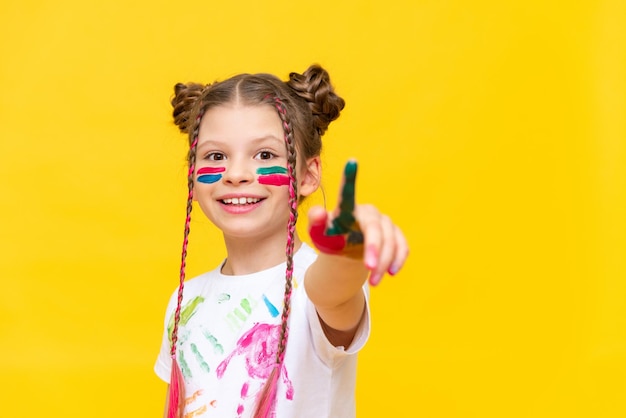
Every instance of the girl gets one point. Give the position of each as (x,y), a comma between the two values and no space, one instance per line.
(274,330)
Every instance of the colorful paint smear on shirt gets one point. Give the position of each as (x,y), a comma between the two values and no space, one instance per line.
(244,394)
(237,318)
(196,412)
(193,397)
(203,365)
(210,175)
(217,347)
(258,348)
(245,305)
(273,176)
(186,313)
(184,367)
(270,307)
(233,323)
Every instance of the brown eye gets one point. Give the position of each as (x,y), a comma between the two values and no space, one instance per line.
(265,155)
(215,156)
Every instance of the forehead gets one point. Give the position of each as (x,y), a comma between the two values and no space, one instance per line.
(240,122)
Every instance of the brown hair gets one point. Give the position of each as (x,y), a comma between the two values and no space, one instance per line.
(306,104)
(309,98)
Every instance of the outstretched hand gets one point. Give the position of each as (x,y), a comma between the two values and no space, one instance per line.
(358,232)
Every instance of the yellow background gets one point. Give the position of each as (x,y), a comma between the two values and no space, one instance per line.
(492,131)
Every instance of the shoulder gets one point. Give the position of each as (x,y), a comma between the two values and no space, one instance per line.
(303,260)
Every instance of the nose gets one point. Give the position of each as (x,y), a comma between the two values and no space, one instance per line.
(238,172)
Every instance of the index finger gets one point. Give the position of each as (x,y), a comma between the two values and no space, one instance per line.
(345,221)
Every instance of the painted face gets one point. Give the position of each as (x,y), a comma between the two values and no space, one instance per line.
(273,176)
(209,175)
(241,167)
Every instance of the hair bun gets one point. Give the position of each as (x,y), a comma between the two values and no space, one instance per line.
(314,86)
(185,96)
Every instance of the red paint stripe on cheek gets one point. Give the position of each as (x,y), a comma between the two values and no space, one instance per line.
(274,180)
(211,170)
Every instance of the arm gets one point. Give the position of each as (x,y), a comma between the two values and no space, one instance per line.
(334,284)
(358,241)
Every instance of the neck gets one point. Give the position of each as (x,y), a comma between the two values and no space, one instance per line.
(251,256)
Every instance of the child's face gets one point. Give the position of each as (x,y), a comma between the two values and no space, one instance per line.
(241,179)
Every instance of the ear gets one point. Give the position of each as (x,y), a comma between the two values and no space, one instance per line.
(310,177)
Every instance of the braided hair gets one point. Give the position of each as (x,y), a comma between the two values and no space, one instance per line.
(305,104)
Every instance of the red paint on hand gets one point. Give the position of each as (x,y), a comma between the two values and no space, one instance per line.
(329,244)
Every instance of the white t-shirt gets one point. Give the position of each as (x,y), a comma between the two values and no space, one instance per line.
(228,336)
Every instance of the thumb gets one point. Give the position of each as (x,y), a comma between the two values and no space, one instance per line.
(317,217)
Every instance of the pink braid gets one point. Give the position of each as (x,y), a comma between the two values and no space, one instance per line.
(267,396)
(183,263)
(291,227)
(177,393)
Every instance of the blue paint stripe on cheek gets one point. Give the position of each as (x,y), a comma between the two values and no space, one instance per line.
(209,178)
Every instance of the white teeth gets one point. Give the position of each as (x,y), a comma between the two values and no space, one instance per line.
(240,200)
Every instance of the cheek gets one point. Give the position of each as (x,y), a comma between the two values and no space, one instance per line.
(208,175)
(273,176)
(274,180)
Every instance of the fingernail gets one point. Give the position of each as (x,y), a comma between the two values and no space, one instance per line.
(394,269)
(371,258)
(375,278)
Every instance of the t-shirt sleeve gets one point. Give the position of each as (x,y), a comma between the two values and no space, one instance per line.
(327,351)
(163,364)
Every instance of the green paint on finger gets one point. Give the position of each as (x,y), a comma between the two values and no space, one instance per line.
(345,221)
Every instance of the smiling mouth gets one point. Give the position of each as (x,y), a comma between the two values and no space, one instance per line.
(240,201)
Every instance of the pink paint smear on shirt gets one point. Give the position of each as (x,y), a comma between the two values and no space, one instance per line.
(258,348)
